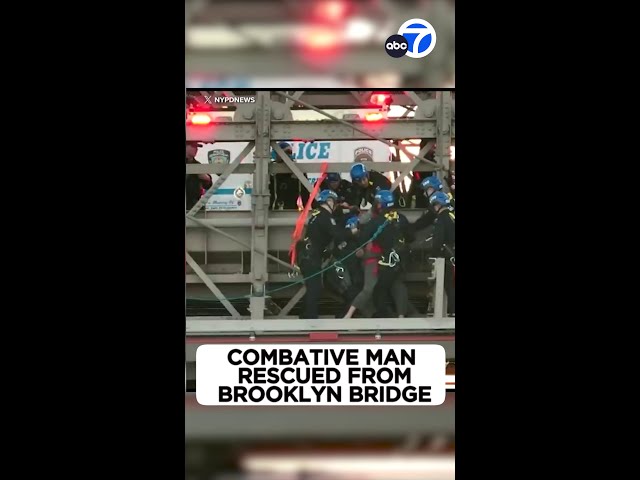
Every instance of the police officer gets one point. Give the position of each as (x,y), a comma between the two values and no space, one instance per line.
(195,184)
(430,185)
(347,201)
(346,278)
(285,188)
(381,259)
(444,244)
(416,196)
(321,231)
(433,184)
(393,241)
(367,184)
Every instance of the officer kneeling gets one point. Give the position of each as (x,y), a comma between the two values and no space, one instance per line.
(321,234)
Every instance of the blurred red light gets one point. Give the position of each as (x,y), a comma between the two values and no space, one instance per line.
(200,119)
(318,46)
(331,10)
(322,39)
(379,98)
(373,116)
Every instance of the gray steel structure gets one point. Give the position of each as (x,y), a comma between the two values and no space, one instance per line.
(254,242)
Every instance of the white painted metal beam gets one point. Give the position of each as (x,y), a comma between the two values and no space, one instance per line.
(206,326)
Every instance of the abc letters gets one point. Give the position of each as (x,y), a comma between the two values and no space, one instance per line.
(396,46)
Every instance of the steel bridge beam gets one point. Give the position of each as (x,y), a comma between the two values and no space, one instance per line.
(242,244)
(205,326)
(260,205)
(225,278)
(359,129)
(329,100)
(215,290)
(276,218)
(308,167)
(293,167)
(444,134)
(317,130)
(407,167)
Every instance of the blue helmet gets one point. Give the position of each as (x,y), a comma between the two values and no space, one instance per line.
(385,198)
(325,195)
(352,222)
(433,181)
(440,198)
(333,177)
(358,171)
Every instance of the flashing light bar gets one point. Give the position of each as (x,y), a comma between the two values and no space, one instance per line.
(331,10)
(374,116)
(380,99)
(199,119)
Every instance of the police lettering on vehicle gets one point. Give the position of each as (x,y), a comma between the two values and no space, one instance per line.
(313,151)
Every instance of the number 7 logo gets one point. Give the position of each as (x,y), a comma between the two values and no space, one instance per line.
(420,36)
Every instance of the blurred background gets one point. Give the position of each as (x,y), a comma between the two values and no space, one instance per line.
(337,443)
(313,44)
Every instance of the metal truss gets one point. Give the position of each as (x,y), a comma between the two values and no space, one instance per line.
(249,232)
(204,326)
(277,218)
(316,130)
(323,99)
(309,167)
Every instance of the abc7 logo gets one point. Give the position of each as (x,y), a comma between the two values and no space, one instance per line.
(416,38)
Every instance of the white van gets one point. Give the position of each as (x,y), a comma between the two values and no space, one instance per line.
(235,192)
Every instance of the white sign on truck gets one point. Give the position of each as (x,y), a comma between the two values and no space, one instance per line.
(235,192)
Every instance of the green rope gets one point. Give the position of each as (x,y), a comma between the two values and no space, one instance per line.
(302,280)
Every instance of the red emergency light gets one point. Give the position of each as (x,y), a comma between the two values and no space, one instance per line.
(322,39)
(332,10)
(373,116)
(318,46)
(199,119)
(380,99)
